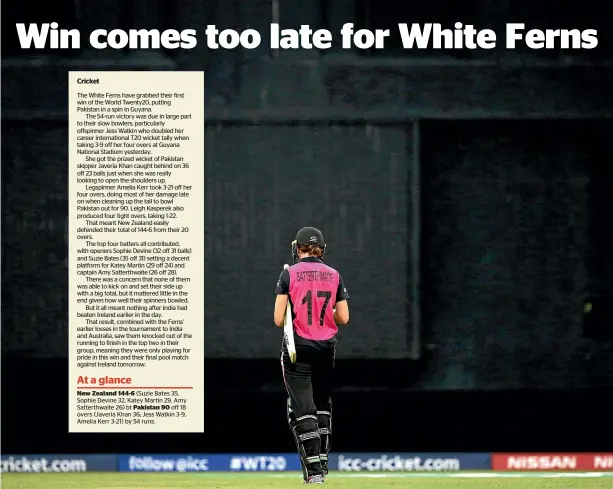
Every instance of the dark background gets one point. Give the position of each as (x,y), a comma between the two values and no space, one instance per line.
(465,196)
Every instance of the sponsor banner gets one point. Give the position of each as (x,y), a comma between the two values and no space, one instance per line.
(58,463)
(208,463)
(409,462)
(552,461)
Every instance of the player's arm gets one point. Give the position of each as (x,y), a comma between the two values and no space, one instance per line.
(280,309)
(282,291)
(341,312)
(341,308)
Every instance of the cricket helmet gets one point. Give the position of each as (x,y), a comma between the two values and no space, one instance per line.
(308,236)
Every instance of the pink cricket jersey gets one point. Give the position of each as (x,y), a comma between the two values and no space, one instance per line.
(313,288)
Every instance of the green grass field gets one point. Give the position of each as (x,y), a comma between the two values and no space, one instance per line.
(490,480)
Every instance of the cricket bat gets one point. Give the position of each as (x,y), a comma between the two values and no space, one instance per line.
(288,330)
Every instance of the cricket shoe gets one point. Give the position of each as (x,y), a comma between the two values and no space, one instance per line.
(315,479)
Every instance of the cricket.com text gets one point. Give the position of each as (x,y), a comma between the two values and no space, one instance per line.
(397,463)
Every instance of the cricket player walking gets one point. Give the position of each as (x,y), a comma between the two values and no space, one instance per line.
(318,302)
